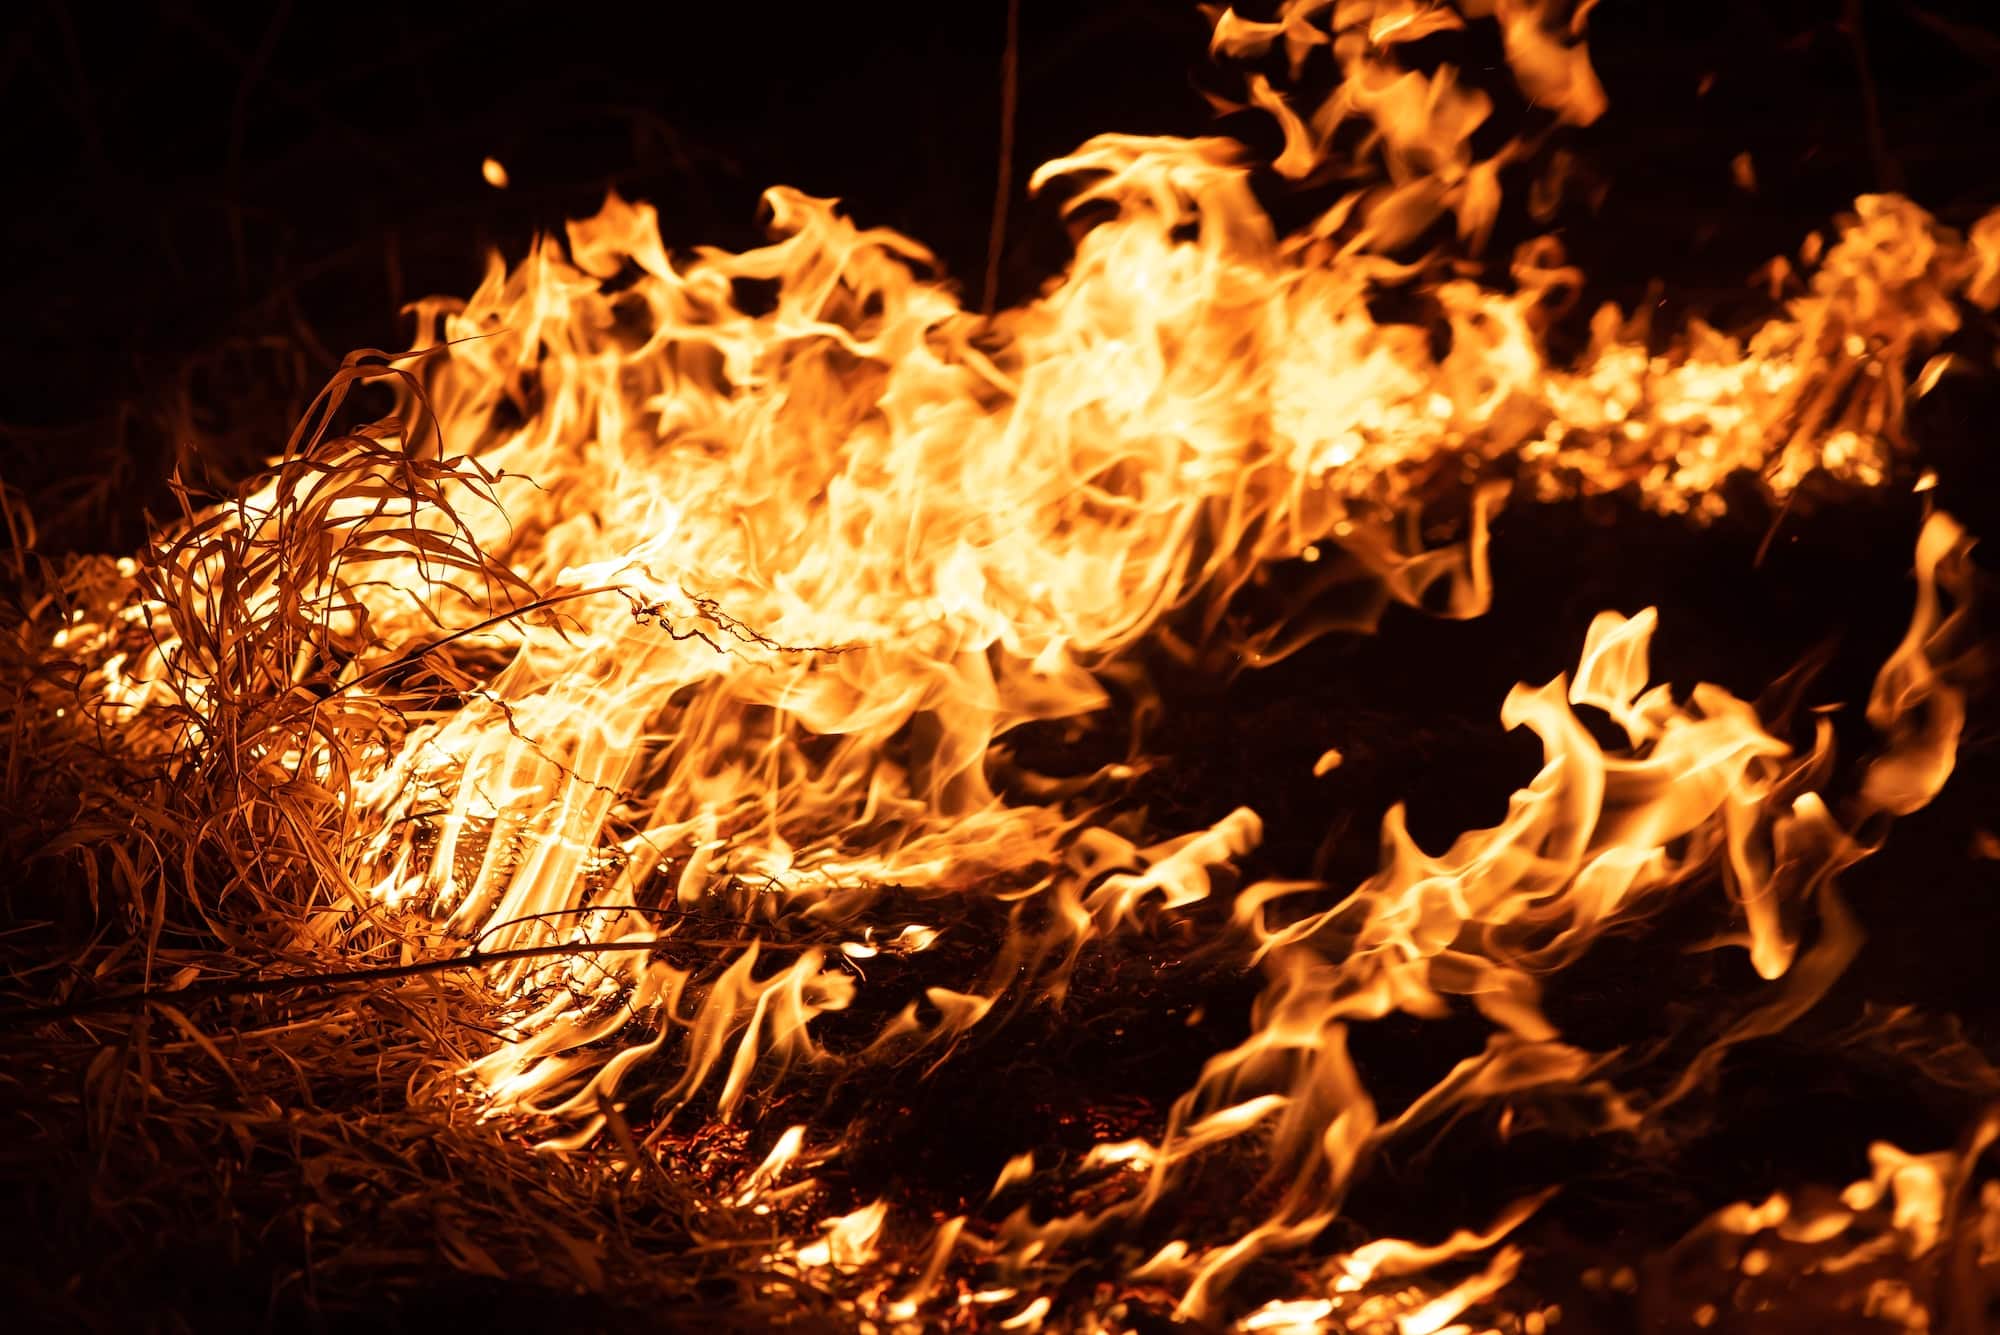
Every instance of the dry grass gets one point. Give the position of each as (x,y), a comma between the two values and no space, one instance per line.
(227,1088)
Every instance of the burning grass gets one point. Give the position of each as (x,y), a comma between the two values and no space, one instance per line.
(653,815)
(240,1138)
(291,1109)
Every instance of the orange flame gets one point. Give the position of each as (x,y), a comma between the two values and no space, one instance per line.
(806,541)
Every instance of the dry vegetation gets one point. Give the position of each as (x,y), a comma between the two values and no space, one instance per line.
(228,1089)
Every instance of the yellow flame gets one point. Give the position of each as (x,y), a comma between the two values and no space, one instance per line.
(806,544)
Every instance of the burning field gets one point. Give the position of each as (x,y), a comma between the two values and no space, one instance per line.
(1301,777)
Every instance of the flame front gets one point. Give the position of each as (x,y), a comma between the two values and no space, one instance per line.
(784,546)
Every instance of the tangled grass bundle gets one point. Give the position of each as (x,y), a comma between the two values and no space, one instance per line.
(250,1108)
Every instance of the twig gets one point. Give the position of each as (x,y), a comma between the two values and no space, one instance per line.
(252,73)
(1888,175)
(1003,184)
(243,987)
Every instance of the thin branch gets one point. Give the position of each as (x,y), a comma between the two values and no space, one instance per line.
(29,1016)
(1888,175)
(1003,185)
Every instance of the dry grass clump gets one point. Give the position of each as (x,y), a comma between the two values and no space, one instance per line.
(227,1085)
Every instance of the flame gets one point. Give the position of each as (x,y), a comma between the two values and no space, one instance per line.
(786,546)
(1911,1207)
(1593,842)
(849,1240)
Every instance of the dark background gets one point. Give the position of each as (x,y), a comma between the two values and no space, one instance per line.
(210,204)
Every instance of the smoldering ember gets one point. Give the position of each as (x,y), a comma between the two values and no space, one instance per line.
(1300,770)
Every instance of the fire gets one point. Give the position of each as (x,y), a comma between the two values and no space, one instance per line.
(730,577)
(1586,846)
(1911,1208)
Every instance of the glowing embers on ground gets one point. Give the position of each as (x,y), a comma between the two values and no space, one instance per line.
(1914,1246)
